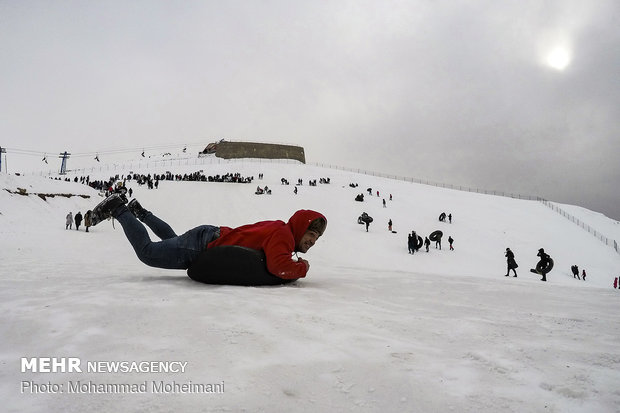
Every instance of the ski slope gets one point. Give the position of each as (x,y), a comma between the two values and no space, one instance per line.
(372,328)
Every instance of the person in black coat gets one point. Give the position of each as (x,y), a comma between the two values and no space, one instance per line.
(78,221)
(411,243)
(544,263)
(366,219)
(511,263)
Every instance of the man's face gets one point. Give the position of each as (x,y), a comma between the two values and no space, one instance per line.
(307,241)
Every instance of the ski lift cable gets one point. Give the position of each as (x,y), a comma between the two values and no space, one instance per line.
(139,149)
(30,152)
(182,147)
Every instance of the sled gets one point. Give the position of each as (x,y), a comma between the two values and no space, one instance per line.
(364,218)
(233,265)
(419,243)
(540,268)
(435,236)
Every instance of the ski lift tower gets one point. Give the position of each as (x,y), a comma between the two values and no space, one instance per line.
(63,165)
(2,150)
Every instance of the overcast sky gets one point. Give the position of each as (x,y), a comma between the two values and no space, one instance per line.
(521,96)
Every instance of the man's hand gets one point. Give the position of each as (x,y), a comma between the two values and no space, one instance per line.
(305,262)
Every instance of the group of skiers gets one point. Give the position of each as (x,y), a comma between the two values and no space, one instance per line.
(70,219)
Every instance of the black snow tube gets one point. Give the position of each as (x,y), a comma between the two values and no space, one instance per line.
(364,218)
(419,243)
(233,265)
(435,236)
(442,216)
(544,267)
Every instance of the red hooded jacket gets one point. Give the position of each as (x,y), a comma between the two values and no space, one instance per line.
(277,239)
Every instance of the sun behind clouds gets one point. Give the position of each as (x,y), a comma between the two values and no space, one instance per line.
(559,58)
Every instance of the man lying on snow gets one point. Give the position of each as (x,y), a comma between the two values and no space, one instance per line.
(278,240)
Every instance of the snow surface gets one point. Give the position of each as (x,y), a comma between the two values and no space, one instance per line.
(371,329)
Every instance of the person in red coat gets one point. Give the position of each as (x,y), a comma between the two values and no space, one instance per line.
(277,239)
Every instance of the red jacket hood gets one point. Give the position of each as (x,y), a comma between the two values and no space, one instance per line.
(300,221)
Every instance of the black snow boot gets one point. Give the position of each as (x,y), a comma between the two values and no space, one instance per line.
(137,209)
(106,208)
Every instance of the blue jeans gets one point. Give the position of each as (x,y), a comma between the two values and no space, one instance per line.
(173,251)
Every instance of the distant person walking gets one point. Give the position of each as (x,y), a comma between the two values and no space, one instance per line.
(390,225)
(450,240)
(411,242)
(450,218)
(544,263)
(583,275)
(78,220)
(69,221)
(88,219)
(510,262)
(427,243)
(366,219)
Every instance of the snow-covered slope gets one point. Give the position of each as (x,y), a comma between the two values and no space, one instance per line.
(372,328)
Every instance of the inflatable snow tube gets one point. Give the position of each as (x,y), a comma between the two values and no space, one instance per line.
(419,243)
(541,267)
(435,236)
(442,216)
(233,265)
(364,218)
